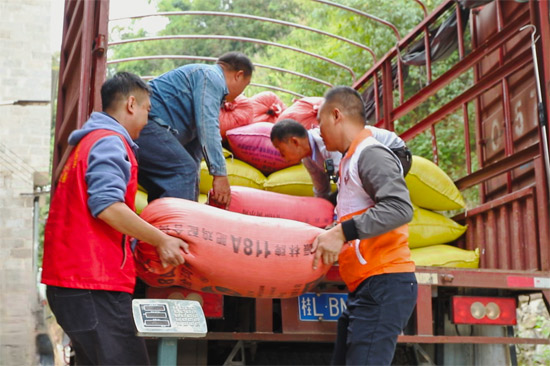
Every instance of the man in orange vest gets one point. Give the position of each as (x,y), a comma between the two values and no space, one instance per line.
(88,264)
(371,240)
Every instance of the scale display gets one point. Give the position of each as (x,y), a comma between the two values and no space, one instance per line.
(168,318)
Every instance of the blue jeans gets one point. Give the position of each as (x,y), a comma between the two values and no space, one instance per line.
(166,167)
(376,313)
(99,324)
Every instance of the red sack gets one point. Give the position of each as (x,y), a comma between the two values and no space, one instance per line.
(256,202)
(236,113)
(304,111)
(267,107)
(230,253)
(252,144)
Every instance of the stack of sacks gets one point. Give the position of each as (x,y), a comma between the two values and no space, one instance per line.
(239,173)
(304,111)
(252,144)
(231,253)
(262,107)
(294,180)
(252,160)
(235,114)
(258,164)
(255,163)
(255,202)
(267,107)
(432,190)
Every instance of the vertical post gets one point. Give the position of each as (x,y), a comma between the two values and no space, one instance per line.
(434,145)
(460,31)
(99,53)
(376,97)
(167,352)
(424,313)
(428,53)
(387,94)
(506,114)
(35,233)
(478,128)
(264,315)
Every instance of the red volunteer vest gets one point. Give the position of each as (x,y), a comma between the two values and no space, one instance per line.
(386,253)
(81,251)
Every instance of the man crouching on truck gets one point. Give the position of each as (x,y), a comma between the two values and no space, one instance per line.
(371,240)
(88,263)
(296,144)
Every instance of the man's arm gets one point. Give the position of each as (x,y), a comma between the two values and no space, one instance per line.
(121,218)
(107,177)
(382,179)
(207,97)
(321,181)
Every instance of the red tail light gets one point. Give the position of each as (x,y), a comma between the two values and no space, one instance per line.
(484,310)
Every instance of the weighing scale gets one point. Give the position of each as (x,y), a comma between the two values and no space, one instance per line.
(168,320)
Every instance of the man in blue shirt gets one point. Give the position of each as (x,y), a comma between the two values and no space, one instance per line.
(184,126)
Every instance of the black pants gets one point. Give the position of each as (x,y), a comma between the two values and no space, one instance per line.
(100,326)
(376,313)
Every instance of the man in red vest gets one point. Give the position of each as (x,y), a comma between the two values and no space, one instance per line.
(88,263)
(371,240)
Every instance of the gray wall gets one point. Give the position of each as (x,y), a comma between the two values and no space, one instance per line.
(25,74)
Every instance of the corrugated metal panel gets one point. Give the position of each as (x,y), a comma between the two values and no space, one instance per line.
(509,227)
(505,230)
(508,122)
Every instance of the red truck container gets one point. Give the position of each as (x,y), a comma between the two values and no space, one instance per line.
(505,141)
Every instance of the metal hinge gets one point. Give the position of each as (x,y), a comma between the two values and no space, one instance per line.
(100,45)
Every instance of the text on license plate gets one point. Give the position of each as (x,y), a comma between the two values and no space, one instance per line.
(322,306)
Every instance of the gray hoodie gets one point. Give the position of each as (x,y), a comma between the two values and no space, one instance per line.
(108,170)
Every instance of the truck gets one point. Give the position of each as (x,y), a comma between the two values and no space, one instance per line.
(462,316)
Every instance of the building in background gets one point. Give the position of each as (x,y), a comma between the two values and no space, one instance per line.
(25,123)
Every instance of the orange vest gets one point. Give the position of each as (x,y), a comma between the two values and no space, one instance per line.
(386,253)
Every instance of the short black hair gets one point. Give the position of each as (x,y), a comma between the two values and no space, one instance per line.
(236,61)
(120,86)
(347,98)
(286,128)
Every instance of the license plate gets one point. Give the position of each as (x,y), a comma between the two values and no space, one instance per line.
(323,306)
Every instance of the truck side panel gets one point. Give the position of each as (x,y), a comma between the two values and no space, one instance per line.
(508,227)
(81,71)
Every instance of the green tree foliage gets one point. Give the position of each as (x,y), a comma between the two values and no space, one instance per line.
(191,24)
(404,14)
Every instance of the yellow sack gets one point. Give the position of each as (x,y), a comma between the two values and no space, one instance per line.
(294,180)
(227,153)
(203,198)
(445,256)
(431,188)
(239,173)
(141,200)
(429,228)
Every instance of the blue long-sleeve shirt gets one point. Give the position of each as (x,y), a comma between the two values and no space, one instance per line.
(109,167)
(188,99)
